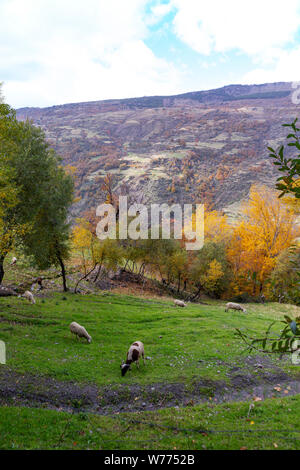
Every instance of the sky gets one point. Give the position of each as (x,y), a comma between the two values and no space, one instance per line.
(65,51)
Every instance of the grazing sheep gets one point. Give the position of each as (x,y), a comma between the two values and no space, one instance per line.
(234,306)
(179,303)
(79,331)
(135,351)
(29,296)
(13,261)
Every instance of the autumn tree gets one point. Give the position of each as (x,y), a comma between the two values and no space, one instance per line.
(84,241)
(210,270)
(216,227)
(285,277)
(267,228)
(94,254)
(178,264)
(110,195)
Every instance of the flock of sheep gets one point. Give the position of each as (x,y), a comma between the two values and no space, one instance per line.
(136,350)
(134,353)
(229,305)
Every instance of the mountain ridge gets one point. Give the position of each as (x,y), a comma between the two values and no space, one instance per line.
(204,146)
(277,87)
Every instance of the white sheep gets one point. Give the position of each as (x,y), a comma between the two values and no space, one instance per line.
(134,353)
(179,303)
(233,306)
(29,296)
(79,331)
(13,261)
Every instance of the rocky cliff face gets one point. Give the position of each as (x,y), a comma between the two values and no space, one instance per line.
(202,146)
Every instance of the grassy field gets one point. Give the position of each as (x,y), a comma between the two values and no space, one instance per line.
(273,424)
(185,345)
(39,341)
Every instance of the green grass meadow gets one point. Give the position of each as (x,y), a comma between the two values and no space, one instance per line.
(184,345)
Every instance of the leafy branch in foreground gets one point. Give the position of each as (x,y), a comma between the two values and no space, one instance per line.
(290,166)
(284,343)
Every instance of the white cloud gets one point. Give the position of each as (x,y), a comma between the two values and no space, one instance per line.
(158,12)
(259,28)
(55,51)
(58,51)
(286,68)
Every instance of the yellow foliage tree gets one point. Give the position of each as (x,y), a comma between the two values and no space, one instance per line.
(212,276)
(216,227)
(268,227)
(84,243)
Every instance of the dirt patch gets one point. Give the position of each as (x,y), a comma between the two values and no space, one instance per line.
(40,391)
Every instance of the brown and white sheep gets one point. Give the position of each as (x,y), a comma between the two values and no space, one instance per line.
(134,353)
(79,331)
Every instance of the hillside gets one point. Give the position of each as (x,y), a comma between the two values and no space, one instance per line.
(201,146)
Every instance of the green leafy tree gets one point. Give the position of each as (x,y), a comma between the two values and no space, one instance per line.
(285,278)
(13,216)
(272,342)
(48,241)
(35,193)
(289,166)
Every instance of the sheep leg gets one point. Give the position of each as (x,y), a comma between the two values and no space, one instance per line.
(137,364)
(144,359)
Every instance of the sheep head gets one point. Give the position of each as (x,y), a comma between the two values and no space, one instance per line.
(124,368)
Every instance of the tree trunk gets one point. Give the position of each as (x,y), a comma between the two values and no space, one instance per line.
(84,277)
(1,269)
(63,272)
(194,297)
(179,282)
(98,273)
